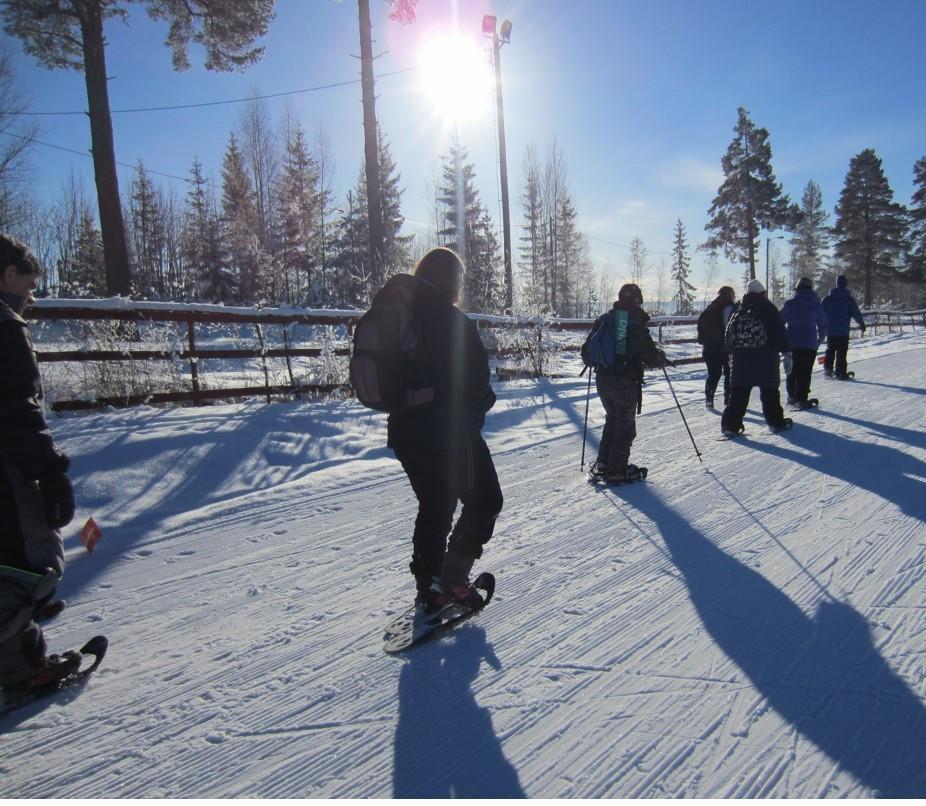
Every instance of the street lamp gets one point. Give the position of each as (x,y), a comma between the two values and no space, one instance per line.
(503,36)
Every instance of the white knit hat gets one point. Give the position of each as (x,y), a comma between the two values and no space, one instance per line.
(755,287)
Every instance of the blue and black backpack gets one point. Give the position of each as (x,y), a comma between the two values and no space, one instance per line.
(606,344)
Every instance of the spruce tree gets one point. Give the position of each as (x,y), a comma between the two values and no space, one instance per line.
(917,233)
(242,226)
(811,237)
(749,199)
(350,283)
(870,228)
(531,265)
(396,249)
(680,266)
(148,235)
(202,242)
(466,228)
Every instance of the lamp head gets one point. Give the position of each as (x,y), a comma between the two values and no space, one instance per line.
(488,25)
(505,33)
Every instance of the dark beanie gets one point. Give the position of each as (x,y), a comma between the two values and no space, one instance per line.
(842,281)
(804,282)
(630,293)
(441,268)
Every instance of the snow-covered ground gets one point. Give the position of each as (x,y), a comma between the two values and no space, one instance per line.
(751,626)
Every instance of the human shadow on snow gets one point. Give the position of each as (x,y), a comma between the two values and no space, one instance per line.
(822,674)
(880,469)
(445,744)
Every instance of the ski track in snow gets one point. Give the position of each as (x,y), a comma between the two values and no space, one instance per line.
(747,627)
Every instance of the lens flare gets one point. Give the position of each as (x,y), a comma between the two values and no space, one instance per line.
(456,76)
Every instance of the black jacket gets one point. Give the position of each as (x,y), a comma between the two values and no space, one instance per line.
(25,441)
(452,352)
(641,349)
(713,322)
(758,366)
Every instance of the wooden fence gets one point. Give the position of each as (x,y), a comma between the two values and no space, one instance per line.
(530,341)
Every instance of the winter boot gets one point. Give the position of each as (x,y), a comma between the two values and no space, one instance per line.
(431,598)
(709,402)
(731,432)
(631,474)
(784,425)
(454,579)
(597,471)
(50,610)
(54,669)
(812,403)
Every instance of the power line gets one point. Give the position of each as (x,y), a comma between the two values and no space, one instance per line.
(225,102)
(628,246)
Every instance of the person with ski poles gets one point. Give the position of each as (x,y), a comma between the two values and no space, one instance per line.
(840,308)
(806,324)
(756,336)
(617,349)
(440,445)
(712,324)
(36,497)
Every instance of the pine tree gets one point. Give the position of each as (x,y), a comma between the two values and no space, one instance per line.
(298,219)
(350,283)
(241,226)
(466,228)
(531,265)
(750,199)
(69,34)
(870,227)
(86,273)
(917,232)
(147,235)
(396,253)
(680,263)
(811,237)
(201,238)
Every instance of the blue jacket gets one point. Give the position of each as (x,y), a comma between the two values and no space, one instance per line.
(840,307)
(805,320)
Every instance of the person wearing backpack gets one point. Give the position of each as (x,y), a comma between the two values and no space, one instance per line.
(806,324)
(617,348)
(712,324)
(440,444)
(840,308)
(756,336)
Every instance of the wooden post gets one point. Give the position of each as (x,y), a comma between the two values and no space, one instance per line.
(289,364)
(194,368)
(263,359)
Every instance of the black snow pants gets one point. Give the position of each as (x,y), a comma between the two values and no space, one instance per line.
(835,360)
(739,401)
(798,382)
(440,479)
(718,362)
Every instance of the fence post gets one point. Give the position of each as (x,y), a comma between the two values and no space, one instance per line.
(540,350)
(263,360)
(289,364)
(194,361)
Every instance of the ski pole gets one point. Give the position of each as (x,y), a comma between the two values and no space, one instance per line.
(588,394)
(664,372)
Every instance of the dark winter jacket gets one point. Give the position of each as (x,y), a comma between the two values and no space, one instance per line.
(712,323)
(27,451)
(840,308)
(758,366)
(641,349)
(454,355)
(805,320)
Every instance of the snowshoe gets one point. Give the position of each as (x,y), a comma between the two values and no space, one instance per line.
(732,433)
(50,610)
(811,403)
(845,376)
(784,425)
(709,403)
(630,475)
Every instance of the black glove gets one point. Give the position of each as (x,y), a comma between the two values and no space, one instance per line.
(58,498)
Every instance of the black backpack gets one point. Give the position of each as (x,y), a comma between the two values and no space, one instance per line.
(746,329)
(710,326)
(387,369)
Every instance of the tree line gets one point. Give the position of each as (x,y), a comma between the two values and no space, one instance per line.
(272,232)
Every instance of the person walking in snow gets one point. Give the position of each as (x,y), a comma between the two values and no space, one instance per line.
(806,323)
(840,309)
(36,498)
(756,336)
(620,385)
(440,445)
(712,324)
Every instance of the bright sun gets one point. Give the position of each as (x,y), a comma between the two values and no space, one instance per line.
(456,77)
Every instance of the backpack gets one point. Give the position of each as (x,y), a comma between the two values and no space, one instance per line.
(710,326)
(606,343)
(746,329)
(386,367)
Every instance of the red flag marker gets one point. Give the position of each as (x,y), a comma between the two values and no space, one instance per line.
(90,534)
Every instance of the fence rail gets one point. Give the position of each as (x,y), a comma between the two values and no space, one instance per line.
(529,340)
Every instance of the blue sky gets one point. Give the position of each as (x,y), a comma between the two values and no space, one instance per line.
(640,97)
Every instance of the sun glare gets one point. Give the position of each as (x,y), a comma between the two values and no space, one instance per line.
(456,76)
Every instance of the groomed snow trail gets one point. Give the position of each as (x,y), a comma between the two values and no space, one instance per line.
(747,627)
